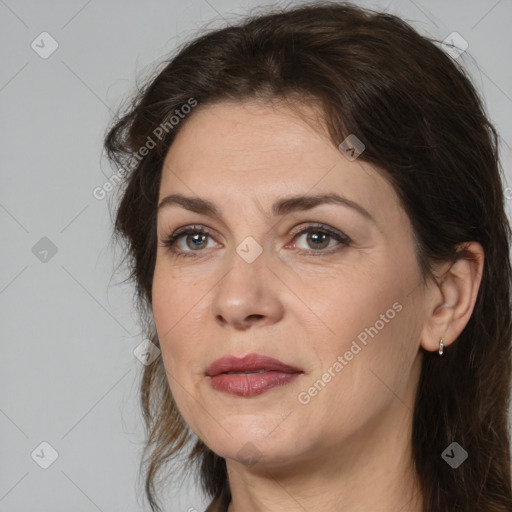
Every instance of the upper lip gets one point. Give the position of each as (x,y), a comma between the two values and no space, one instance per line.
(247,363)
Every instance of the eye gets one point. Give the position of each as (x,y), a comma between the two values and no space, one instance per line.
(319,237)
(193,239)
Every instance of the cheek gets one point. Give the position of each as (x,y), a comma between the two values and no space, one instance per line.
(350,307)
(179,352)
(372,338)
(178,313)
(173,299)
(357,381)
(167,311)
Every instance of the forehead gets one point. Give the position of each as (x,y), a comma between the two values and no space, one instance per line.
(244,136)
(228,150)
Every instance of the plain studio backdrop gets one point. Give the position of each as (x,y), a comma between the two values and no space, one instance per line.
(70,426)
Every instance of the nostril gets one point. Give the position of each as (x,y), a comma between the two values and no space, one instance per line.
(254,316)
(221,319)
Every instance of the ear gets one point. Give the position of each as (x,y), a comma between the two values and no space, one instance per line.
(451,299)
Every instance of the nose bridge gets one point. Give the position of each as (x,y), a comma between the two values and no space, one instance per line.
(246,293)
(244,275)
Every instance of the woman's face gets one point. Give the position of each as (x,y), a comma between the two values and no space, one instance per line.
(331,289)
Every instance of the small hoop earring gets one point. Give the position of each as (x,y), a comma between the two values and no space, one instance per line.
(441,345)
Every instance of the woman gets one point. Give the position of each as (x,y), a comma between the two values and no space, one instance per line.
(314,217)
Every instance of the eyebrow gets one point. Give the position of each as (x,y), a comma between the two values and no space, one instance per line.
(279,208)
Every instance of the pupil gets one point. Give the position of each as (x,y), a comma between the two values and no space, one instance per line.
(315,236)
(196,237)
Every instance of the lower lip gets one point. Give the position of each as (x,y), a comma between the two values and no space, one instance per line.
(250,384)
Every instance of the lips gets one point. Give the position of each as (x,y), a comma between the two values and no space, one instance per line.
(249,364)
(250,376)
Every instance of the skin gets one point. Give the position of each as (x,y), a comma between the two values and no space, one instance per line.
(348,448)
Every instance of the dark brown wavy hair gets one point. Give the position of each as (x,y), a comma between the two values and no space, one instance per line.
(425,126)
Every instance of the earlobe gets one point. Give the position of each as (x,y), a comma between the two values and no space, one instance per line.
(451,300)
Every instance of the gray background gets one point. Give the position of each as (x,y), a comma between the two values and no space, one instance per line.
(69,376)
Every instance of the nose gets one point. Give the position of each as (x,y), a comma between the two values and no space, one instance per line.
(248,294)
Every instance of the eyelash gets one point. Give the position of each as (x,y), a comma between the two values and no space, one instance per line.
(170,242)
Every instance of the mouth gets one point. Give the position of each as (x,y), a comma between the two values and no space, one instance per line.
(250,375)
(246,373)
(249,364)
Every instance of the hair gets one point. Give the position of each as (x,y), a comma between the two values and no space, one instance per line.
(425,129)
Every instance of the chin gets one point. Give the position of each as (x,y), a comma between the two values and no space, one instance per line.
(250,444)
